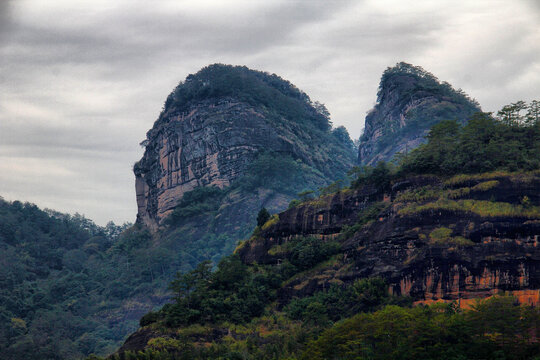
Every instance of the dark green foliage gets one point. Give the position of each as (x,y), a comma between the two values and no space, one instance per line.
(342,135)
(483,145)
(57,274)
(302,197)
(255,87)
(262,217)
(306,195)
(339,302)
(196,202)
(234,293)
(306,252)
(149,318)
(332,188)
(495,329)
(380,176)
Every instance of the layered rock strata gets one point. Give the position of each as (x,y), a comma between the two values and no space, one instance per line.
(209,146)
(217,122)
(480,255)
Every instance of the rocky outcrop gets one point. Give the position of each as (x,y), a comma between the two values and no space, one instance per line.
(213,127)
(409,101)
(431,249)
(210,146)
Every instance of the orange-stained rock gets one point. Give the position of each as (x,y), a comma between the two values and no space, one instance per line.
(210,146)
(499,254)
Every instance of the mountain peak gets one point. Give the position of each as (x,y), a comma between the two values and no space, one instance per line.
(410,100)
(251,86)
(218,122)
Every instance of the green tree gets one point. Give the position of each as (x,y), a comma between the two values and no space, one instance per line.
(381,176)
(511,114)
(342,135)
(184,284)
(262,217)
(533,113)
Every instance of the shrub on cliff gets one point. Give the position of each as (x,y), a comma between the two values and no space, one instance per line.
(339,302)
(262,217)
(379,176)
(234,293)
(306,252)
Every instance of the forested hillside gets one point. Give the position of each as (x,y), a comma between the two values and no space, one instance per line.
(334,277)
(229,141)
(56,286)
(69,287)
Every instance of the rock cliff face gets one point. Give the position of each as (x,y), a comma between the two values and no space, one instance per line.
(216,123)
(409,102)
(433,241)
(211,145)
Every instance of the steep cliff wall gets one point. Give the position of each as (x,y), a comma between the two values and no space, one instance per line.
(433,240)
(409,101)
(211,145)
(217,123)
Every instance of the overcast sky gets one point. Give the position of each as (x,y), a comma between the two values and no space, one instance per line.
(82,81)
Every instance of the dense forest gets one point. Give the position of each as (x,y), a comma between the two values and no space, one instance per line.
(358,320)
(64,281)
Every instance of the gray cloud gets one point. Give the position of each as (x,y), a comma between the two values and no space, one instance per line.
(534,5)
(5,16)
(82,82)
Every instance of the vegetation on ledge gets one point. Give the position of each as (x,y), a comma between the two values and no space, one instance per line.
(237,312)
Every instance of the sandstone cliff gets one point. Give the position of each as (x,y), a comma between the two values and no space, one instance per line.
(216,124)
(211,145)
(409,102)
(462,239)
